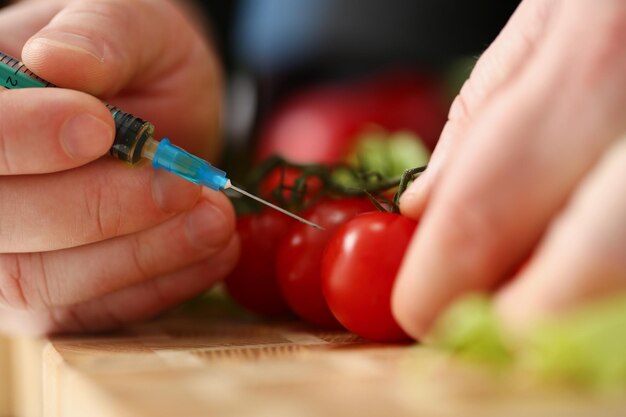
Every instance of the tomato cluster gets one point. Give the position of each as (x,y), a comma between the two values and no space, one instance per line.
(299,258)
(341,276)
(253,281)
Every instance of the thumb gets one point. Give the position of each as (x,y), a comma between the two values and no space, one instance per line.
(102,46)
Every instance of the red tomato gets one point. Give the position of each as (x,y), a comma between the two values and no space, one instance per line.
(320,124)
(299,258)
(253,281)
(359,268)
(288,176)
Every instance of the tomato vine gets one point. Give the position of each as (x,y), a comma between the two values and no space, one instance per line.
(339,180)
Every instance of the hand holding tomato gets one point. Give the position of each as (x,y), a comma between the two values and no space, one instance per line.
(531,163)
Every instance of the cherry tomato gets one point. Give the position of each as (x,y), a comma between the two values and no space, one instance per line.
(299,258)
(253,281)
(288,176)
(320,124)
(359,268)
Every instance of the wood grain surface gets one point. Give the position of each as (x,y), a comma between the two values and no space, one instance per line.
(218,362)
(5,372)
(191,364)
(26,381)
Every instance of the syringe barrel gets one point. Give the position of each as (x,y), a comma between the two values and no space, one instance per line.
(131,133)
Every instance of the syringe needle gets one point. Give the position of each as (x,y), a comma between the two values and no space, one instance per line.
(275,207)
(174,159)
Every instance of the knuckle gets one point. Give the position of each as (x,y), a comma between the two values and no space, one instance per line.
(615,38)
(606,54)
(230,256)
(474,235)
(23,281)
(614,33)
(138,251)
(491,71)
(500,62)
(11,279)
(103,22)
(459,110)
(110,318)
(104,209)
(218,266)
(603,252)
(111,13)
(160,297)
(67,319)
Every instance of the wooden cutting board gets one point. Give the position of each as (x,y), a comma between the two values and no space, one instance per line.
(5,373)
(217,363)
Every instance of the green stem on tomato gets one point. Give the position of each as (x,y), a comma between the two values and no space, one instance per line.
(369,183)
(405,179)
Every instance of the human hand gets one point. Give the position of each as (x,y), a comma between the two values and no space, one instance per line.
(89,243)
(525,195)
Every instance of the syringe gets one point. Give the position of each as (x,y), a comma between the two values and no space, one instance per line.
(134,142)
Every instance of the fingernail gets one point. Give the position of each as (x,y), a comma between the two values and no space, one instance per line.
(207,226)
(84,136)
(71,41)
(173,194)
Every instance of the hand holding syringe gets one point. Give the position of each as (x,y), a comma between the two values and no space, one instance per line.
(134,141)
(88,243)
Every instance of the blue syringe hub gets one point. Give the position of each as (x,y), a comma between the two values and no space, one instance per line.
(182,163)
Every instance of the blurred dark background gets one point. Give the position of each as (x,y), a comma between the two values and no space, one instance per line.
(273,48)
(319,39)
(285,44)
(332,35)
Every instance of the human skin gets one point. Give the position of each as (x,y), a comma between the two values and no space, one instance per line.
(89,243)
(530,170)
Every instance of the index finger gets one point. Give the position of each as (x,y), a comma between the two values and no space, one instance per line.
(522,159)
(102,47)
(145,56)
(503,61)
